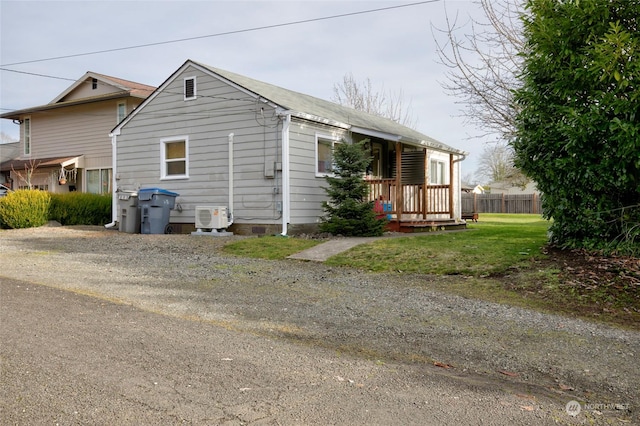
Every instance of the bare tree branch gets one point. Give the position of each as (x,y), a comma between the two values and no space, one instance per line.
(363,97)
(484,65)
(496,165)
(30,168)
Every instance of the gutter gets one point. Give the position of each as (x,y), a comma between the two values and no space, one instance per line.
(286,188)
(463,157)
(230,212)
(114,197)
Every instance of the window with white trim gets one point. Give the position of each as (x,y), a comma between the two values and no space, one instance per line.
(99,181)
(174,153)
(121,112)
(324,154)
(189,88)
(27,135)
(437,175)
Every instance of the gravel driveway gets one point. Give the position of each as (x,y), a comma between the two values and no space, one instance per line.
(388,319)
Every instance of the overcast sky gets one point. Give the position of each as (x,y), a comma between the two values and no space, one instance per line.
(394,48)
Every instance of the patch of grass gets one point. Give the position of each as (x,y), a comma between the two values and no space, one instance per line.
(269,247)
(496,244)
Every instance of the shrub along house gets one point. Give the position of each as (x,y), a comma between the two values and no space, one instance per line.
(221,139)
(64,145)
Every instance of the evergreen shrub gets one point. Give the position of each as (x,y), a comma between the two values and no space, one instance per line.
(25,208)
(348,212)
(80,208)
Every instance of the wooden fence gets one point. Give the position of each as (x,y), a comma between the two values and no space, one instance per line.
(501,203)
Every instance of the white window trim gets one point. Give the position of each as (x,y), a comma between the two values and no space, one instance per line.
(163,159)
(333,140)
(195,88)
(444,176)
(99,169)
(118,119)
(24,136)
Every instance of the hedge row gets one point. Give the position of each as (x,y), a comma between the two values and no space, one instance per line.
(27,208)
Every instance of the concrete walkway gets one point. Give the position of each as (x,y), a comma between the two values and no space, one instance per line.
(323,251)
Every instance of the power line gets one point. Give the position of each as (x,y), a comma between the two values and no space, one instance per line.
(36,74)
(246,30)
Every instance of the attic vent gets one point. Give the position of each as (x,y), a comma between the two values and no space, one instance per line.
(94,83)
(189,88)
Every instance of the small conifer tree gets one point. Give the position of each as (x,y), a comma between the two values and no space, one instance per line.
(348,212)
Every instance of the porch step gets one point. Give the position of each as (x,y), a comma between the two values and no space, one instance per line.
(413,226)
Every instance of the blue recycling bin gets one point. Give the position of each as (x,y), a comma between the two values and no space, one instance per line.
(155,210)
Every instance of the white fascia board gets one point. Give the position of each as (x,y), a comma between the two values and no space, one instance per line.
(439,147)
(317,119)
(77,162)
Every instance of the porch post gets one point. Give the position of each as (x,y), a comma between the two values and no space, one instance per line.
(399,190)
(425,184)
(451,195)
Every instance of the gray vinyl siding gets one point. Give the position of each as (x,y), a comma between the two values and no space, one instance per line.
(207,121)
(307,193)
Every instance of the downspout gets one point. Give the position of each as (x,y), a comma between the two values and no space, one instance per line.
(114,196)
(462,157)
(230,212)
(286,190)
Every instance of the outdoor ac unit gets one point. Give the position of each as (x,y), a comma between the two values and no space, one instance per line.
(208,217)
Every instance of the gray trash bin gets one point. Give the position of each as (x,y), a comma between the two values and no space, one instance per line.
(155,208)
(129,214)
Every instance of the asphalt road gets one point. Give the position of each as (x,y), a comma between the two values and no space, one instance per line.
(69,358)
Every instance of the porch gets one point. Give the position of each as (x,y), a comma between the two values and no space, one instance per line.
(416,207)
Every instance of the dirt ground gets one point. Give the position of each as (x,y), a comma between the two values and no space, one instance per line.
(101,327)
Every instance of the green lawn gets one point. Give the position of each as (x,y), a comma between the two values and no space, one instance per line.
(495,244)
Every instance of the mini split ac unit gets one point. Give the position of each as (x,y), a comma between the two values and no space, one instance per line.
(208,217)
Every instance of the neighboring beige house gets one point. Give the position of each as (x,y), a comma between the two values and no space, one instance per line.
(64,145)
(221,139)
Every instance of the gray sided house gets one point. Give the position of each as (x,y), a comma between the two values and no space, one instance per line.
(221,139)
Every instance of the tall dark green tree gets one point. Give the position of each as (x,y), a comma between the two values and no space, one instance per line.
(578,126)
(348,212)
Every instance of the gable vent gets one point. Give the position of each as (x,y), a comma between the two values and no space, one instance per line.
(189,88)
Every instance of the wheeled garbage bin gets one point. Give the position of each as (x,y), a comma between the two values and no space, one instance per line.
(129,215)
(155,208)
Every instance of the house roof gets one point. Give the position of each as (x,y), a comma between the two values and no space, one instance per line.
(308,106)
(315,109)
(40,162)
(124,88)
(132,88)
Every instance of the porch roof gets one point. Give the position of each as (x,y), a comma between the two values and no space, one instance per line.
(19,164)
(312,108)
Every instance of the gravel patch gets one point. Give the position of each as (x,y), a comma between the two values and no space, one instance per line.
(385,317)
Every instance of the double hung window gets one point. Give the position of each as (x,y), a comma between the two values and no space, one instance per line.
(174,154)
